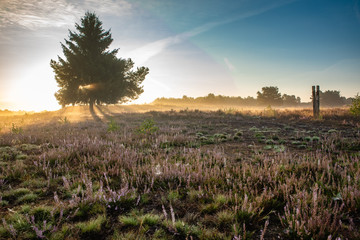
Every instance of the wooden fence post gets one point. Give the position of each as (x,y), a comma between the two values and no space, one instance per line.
(316,101)
(313,100)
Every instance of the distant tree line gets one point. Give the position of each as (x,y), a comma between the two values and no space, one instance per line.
(267,96)
(210,99)
(332,98)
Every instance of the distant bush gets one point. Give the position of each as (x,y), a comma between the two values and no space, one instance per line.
(269,112)
(210,99)
(355,107)
(113,126)
(64,120)
(147,127)
(15,129)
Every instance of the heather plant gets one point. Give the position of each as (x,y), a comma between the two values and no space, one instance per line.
(172,185)
(306,215)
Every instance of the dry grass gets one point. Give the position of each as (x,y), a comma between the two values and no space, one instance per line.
(191,176)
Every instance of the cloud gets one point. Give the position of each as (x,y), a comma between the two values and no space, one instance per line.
(113,7)
(33,15)
(229,65)
(142,54)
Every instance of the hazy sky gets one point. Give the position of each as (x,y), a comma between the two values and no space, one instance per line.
(192,47)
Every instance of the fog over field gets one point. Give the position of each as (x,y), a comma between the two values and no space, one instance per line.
(196,120)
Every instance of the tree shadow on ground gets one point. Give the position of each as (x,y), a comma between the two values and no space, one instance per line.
(105,112)
(94,115)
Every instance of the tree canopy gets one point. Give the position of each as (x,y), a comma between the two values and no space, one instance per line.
(332,98)
(269,96)
(90,72)
(290,100)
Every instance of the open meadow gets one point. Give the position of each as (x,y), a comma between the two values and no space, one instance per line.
(142,172)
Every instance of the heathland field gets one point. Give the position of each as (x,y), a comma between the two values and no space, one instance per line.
(131,173)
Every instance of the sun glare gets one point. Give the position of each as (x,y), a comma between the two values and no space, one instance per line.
(89,86)
(33,90)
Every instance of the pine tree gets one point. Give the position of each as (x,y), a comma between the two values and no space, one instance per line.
(90,73)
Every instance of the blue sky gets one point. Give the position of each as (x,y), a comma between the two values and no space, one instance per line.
(192,47)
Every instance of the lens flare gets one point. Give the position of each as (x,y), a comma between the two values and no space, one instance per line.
(92,86)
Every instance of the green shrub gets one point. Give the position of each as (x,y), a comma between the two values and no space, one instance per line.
(29,147)
(25,208)
(159,234)
(213,234)
(221,199)
(15,193)
(3,203)
(239,133)
(60,235)
(185,230)
(30,197)
(355,107)
(92,226)
(148,127)
(89,209)
(269,112)
(209,208)
(173,196)
(21,157)
(225,219)
(41,213)
(279,148)
(8,153)
(118,235)
(19,222)
(113,126)
(195,195)
(16,172)
(4,233)
(244,216)
(64,120)
(315,138)
(150,219)
(35,183)
(129,221)
(15,129)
